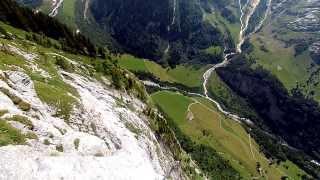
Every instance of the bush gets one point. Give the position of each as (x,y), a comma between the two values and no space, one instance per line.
(99,154)
(76,143)
(121,79)
(94,128)
(63,64)
(46,142)
(59,148)
(24,106)
(41,40)
(4,33)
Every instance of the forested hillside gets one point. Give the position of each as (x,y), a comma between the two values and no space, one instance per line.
(166,31)
(37,22)
(288,115)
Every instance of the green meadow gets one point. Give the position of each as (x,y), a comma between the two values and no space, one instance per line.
(187,75)
(273,55)
(208,126)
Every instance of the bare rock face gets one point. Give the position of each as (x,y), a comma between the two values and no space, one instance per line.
(101,140)
(302,16)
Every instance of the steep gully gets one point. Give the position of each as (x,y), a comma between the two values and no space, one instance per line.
(86,9)
(246,11)
(56,5)
(174,10)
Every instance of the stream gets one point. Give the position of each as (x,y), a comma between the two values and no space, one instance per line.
(246,13)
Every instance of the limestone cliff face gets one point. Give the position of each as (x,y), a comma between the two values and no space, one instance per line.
(107,135)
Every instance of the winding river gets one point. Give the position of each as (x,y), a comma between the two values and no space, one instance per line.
(246,12)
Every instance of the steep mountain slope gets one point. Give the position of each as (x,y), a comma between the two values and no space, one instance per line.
(287,45)
(166,31)
(267,98)
(292,118)
(279,36)
(63,118)
(284,48)
(169,32)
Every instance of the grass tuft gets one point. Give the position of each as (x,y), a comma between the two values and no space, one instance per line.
(22,120)
(31,135)
(57,97)
(64,64)
(24,106)
(99,154)
(10,135)
(133,128)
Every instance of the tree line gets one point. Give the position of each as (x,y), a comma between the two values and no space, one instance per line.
(37,22)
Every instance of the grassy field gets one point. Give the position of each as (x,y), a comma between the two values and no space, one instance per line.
(279,60)
(132,63)
(187,75)
(226,136)
(159,71)
(174,104)
(275,56)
